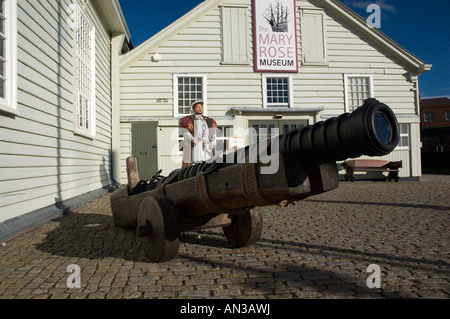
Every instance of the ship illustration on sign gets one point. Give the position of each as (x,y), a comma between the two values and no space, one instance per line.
(277,17)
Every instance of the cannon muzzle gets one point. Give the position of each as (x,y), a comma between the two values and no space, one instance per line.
(371,129)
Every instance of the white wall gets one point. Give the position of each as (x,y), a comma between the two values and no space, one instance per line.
(42,160)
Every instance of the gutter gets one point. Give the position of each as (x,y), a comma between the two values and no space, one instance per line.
(119,12)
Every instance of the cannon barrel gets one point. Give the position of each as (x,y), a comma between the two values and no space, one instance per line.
(372,129)
(228,194)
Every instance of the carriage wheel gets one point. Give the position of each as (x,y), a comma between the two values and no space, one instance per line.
(245,228)
(157,226)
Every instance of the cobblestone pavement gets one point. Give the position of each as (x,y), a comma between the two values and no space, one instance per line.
(319,248)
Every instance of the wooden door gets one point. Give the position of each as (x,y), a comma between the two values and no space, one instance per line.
(144,148)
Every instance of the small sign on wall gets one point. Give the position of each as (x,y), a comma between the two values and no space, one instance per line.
(275,36)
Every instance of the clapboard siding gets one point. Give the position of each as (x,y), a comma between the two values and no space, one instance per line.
(197,48)
(42,160)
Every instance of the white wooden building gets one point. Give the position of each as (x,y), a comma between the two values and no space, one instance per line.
(209,53)
(56,105)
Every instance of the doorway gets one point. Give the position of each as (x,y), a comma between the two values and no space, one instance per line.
(144,147)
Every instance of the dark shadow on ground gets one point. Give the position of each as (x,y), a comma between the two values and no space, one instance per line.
(381,204)
(209,238)
(95,236)
(92,236)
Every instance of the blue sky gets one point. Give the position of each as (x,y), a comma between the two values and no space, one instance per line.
(421,27)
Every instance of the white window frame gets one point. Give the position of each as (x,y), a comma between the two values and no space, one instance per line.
(89,131)
(404,134)
(175,91)
(8,103)
(346,91)
(264,89)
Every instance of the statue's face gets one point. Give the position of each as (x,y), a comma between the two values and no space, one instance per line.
(198,108)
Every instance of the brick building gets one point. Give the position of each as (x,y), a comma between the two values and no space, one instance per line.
(435,112)
(435,133)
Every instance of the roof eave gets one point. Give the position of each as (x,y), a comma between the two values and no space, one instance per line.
(112,15)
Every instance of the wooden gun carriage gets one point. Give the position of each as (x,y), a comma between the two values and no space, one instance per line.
(229,193)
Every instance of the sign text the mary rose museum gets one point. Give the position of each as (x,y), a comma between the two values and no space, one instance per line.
(275,41)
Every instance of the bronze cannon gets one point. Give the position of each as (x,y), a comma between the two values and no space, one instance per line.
(228,190)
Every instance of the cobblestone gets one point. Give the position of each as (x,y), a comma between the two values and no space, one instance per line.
(319,248)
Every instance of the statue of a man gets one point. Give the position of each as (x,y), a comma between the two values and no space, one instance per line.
(199,136)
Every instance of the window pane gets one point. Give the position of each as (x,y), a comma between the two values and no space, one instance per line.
(404,140)
(277,91)
(2,8)
(190,89)
(404,129)
(404,135)
(85,69)
(2,48)
(358,91)
(2,69)
(2,88)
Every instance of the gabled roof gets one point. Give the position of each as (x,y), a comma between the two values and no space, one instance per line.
(412,62)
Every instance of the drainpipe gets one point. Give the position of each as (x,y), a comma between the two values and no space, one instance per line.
(117,42)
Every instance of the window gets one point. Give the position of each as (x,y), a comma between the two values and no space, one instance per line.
(313,37)
(188,88)
(3,46)
(277,90)
(428,117)
(447,115)
(8,56)
(404,136)
(235,35)
(358,88)
(223,134)
(85,74)
(286,126)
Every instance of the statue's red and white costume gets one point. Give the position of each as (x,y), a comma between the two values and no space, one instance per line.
(199,138)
